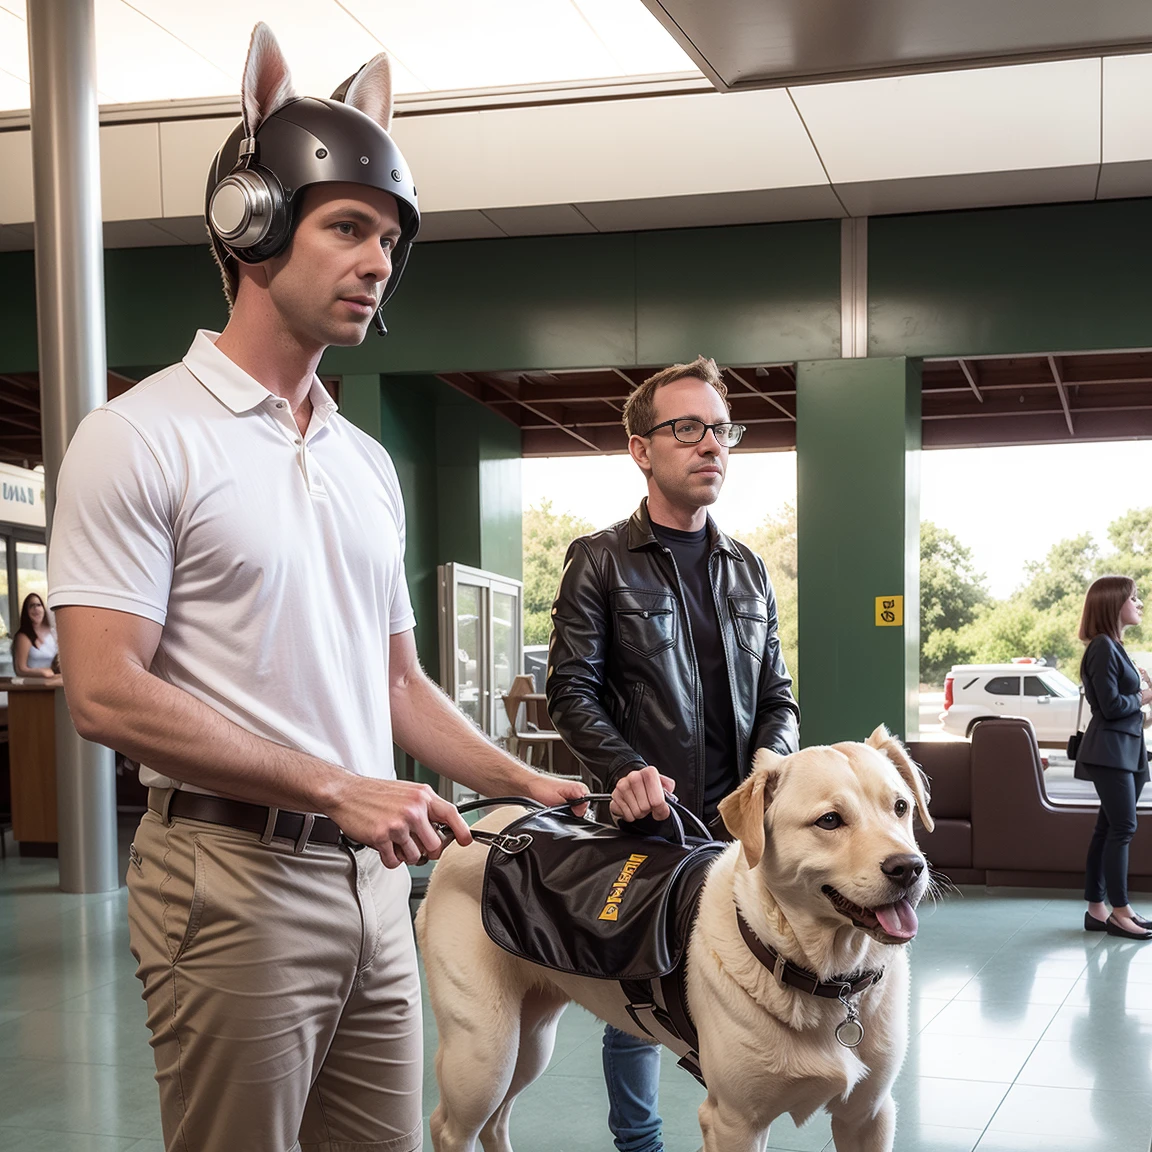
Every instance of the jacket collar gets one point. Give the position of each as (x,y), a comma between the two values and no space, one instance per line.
(640,534)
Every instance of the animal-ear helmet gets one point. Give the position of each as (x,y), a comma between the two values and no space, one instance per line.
(252,202)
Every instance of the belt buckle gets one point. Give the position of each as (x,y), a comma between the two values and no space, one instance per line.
(305,832)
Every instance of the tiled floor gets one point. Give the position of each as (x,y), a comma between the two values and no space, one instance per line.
(1027,1034)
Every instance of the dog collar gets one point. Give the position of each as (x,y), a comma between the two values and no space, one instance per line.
(838,988)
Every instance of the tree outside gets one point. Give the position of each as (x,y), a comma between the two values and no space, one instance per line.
(547,535)
(775,543)
(1042,617)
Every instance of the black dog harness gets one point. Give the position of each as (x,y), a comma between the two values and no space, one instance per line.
(591,900)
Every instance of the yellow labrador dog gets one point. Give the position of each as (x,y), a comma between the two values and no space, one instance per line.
(826,873)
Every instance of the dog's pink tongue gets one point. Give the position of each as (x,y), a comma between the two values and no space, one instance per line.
(898,919)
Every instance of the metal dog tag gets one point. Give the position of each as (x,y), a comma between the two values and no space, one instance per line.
(849,1032)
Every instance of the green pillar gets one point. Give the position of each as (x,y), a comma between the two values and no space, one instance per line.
(858,519)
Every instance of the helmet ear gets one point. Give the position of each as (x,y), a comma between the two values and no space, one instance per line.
(370,91)
(267,81)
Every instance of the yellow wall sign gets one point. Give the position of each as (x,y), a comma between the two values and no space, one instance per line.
(889,611)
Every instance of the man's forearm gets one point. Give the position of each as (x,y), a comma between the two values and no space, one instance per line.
(430,728)
(175,734)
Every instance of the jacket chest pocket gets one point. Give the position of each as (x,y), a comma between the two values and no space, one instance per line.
(645,621)
(750,621)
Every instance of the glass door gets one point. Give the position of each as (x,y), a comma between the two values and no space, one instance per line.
(481,648)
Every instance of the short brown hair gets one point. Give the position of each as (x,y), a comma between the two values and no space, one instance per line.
(1102,604)
(640,408)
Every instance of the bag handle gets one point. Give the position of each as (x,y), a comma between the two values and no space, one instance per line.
(1080,708)
(680,814)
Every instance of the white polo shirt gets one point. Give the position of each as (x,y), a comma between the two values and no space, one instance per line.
(274,561)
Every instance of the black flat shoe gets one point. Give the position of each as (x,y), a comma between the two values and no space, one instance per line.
(1114,929)
(1091,924)
(1138,919)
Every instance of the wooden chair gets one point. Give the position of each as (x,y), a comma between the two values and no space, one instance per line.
(533,739)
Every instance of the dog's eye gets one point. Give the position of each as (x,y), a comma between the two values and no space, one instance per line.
(901,807)
(829,820)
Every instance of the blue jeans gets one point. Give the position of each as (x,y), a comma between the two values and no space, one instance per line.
(632,1074)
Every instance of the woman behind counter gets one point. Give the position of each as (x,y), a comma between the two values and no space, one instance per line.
(34,645)
(1112,753)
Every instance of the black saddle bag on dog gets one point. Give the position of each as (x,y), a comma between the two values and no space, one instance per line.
(591,899)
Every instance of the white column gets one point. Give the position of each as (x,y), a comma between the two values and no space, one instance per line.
(73,363)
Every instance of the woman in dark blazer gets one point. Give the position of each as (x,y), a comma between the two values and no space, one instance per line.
(1112,752)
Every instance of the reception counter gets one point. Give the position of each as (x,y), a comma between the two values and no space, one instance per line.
(32,762)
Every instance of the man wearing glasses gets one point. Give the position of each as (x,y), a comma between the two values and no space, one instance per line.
(664,669)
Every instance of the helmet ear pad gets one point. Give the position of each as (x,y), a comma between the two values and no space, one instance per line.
(250,214)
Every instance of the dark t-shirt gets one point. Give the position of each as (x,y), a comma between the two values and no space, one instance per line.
(690,551)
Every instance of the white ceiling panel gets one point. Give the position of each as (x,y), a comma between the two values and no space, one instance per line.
(16,183)
(969,190)
(457,226)
(16,238)
(322,43)
(136,234)
(130,171)
(634,37)
(449,44)
(982,120)
(540,220)
(136,59)
(187,148)
(13,44)
(14,92)
(814,203)
(1127,109)
(513,157)
(183,229)
(1125,179)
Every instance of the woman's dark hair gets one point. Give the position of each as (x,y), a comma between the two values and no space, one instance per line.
(27,628)
(1102,604)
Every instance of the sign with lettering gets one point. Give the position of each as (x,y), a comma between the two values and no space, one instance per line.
(889,611)
(21,496)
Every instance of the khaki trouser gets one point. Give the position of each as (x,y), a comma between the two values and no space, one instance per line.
(282,992)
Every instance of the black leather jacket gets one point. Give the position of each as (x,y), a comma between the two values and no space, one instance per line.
(623,689)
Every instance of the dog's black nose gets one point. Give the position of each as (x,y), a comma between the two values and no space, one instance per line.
(903,869)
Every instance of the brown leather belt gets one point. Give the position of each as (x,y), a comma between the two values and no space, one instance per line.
(300,827)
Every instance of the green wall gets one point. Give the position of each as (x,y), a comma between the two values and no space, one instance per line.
(459,471)
(1048,278)
(758,293)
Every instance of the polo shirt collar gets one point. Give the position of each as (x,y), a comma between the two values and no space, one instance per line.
(234,388)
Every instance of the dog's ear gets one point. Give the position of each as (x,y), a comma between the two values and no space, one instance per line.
(370,91)
(267,81)
(910,772)
(743,810)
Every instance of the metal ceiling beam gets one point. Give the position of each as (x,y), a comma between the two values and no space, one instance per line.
(543,416)
(1063,394)
(763,395)
(970,376)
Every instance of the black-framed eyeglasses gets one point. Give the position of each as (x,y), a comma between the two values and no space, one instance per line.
(689,431)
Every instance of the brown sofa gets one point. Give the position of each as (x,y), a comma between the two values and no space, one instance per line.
(995,825)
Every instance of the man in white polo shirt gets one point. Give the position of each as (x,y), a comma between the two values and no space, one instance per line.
(227,568)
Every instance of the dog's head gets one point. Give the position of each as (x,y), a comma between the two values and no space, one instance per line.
(831,830)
